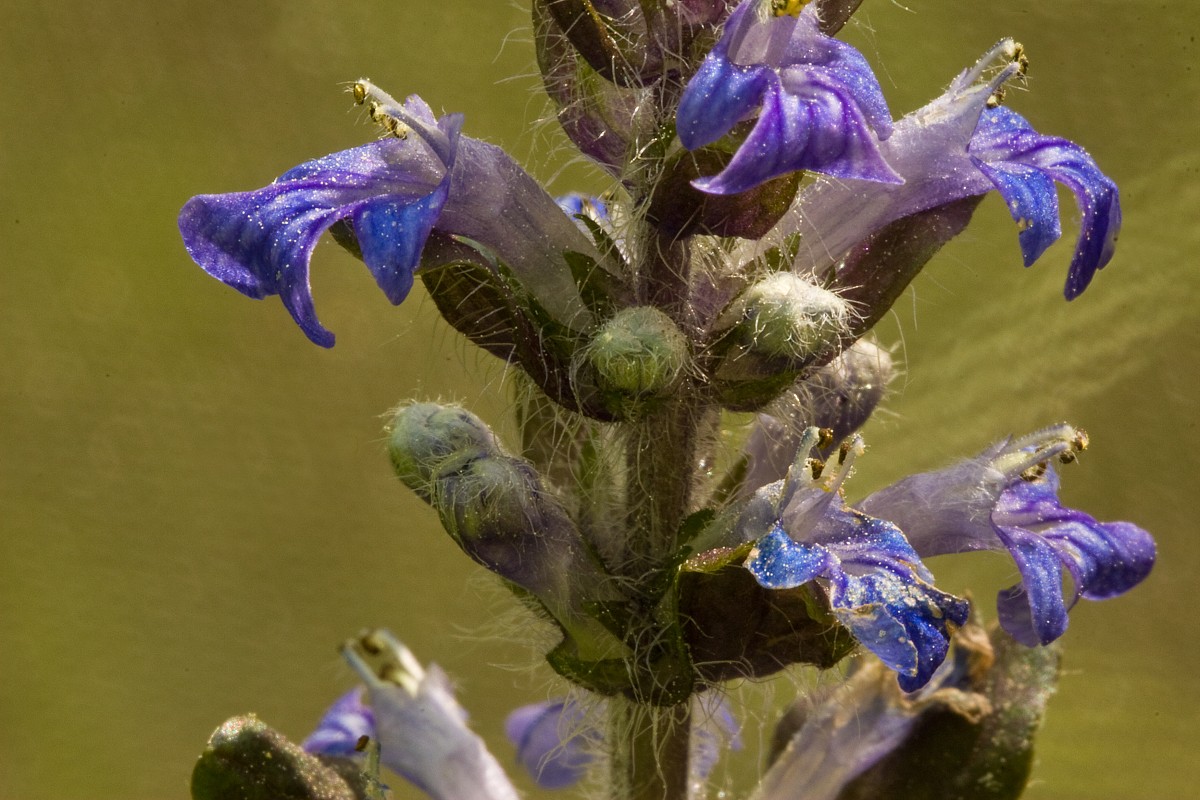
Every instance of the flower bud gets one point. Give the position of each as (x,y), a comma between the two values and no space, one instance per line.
(617,38)
(600,117)
(769,334)
(429,440)
(677,207)
(497,510)
(639,353)
(840,397)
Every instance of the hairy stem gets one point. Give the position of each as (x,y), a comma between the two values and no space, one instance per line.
(650,729)
(649,751)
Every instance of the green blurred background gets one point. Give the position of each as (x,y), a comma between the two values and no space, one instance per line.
(194,501)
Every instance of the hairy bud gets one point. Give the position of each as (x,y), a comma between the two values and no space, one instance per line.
(771,333)
(840,397)
(640,353)
(497,509)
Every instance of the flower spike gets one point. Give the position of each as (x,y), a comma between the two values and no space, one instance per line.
(819,106)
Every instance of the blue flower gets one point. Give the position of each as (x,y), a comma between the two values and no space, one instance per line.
(874,579)
(957,147)
(1007,499)
(420,728)
(342,726)
(818,105)
(554,741)
(392,193)
(1024,165)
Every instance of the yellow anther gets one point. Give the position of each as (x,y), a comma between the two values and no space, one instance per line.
(360,93)
(1019,58)
(788,8)
(385,120)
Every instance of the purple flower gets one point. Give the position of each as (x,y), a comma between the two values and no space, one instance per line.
(875,581)
(392,194)
(957,147)
(1007,499)
(421,729)
(342,726)
(554,741)
(818,105)
(1024,166)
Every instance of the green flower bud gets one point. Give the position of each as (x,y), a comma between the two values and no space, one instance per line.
(638,353)
(497,509)
(778,328)
(784,316)
(428,440)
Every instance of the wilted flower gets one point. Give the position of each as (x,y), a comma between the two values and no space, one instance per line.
(967,734)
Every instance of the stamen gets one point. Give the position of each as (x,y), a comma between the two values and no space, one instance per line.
(394,663)
(1036,472)
(389,123)
(801,471)
(1006,54)
(787,8)
(1039,447)
(826,439)
(850,450)
(387,112)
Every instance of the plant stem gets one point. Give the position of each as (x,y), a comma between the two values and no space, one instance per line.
(650,747)
(649,731)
